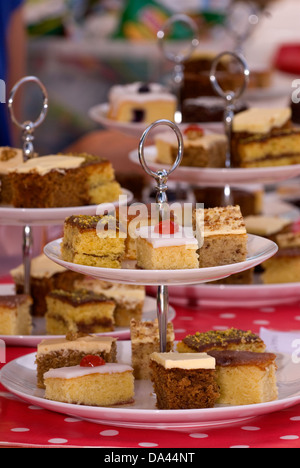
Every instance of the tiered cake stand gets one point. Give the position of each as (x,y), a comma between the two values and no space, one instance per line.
(259,250)
(28,218)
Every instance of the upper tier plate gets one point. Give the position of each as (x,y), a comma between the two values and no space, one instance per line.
(259,250)
(11,216)
(220,177)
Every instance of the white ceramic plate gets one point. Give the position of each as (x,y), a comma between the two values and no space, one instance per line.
(259,250)
(254,295)
(19,377)
(220,177)
(39,326)
(99,114)
(46,216)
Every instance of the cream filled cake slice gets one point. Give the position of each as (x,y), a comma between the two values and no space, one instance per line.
(15,315)
(92,383)
(141,102)
(184,381)
(166,246)
(221,234)
(66,352)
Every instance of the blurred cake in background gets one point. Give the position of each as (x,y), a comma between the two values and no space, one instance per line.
(141,102)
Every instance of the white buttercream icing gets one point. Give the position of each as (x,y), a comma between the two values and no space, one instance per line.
(182,237)
(188,361)
(78,371)
(45,164)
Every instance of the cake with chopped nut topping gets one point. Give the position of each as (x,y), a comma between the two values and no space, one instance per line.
(94,241)
(65,352)
(245,378)
(221,234)
(231,339)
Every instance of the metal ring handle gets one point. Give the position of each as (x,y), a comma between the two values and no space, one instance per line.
(179,18)
(29,125)
(229,96)
(166,173)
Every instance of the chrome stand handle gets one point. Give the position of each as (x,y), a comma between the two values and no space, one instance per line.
(28,129)
(161,178)
(230,98)
(181,57)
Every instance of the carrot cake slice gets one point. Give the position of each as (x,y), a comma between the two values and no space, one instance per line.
(63,180)
(184,381)
(200,150)
(66,352)
(221,234)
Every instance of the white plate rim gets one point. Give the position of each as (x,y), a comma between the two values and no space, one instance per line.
(220,176)
(143,418)
(165,277)
(45,216)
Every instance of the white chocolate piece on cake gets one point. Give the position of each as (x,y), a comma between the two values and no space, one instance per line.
(260,121)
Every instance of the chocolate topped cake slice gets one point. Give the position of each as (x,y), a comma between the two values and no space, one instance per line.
(219,340)
(245,378)
(94,241)
(82,311)
(284,267)
(264,137)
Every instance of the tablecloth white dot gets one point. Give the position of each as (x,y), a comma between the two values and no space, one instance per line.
(297,317)
(186,318)
(20,429)
(35,408)
(147,444)
(227,316)
(71,420)
(109,433)
(295,418)
(180,330)
(289,437)
(267,310)
(261,322)
(239,446)
(198,435)
(219,327)
(57,441)
(250,428)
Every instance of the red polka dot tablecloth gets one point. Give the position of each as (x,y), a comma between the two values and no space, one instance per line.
(22,424)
